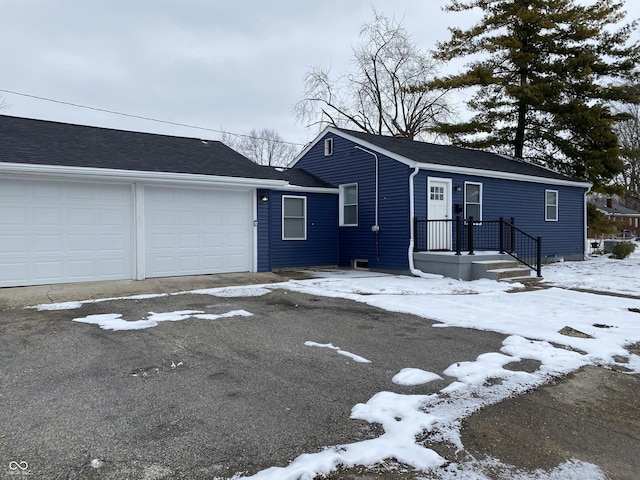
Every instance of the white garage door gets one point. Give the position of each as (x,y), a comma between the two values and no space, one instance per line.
(197,231)
(58,232)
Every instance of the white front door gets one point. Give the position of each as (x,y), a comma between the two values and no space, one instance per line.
(439,213)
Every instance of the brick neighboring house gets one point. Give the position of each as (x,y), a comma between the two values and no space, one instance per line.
(626,219)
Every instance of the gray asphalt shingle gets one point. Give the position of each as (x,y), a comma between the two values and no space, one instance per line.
(41,142)
(448,155)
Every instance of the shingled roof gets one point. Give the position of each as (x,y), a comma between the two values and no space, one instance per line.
(611,208)
(41,142)
(448,155)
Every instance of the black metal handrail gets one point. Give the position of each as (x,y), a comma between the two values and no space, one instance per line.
(467,235)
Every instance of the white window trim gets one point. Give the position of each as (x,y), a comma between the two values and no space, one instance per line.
(304,199)
(465,200)
(546,205)
(328,147)
(342,205)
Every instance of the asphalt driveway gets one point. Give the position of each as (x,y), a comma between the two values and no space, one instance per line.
(203,398)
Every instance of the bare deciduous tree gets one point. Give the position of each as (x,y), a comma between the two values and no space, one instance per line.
(377,97)
(264,147)
(629,138)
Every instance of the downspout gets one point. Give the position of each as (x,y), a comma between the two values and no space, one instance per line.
(585,248)
(414,271)
(375,228)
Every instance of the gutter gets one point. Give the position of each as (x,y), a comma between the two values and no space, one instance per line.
(586,226)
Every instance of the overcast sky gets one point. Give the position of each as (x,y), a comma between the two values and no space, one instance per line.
(223,65)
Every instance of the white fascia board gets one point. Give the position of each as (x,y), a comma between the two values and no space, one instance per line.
(299,189)
(106,174)
(461,170)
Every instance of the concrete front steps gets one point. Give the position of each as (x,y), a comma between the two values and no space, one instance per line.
(504,271)
(492,265)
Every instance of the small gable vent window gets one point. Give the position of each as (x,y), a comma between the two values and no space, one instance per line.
(294,218)
(328,147)
(551,205)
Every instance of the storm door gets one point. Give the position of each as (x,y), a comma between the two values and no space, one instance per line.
(439,225)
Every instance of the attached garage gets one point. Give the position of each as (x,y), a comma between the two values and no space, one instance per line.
(190,231)
(81,203)
(57,232)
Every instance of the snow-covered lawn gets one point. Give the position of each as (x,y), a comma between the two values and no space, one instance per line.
(531,319)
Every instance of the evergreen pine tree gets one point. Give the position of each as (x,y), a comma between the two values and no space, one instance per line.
(546,74)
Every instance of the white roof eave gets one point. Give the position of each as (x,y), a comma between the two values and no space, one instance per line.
(115,175)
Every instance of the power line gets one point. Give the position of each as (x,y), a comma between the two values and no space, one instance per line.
(150,119)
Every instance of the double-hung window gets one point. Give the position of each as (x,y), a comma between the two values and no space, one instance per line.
(294,218)
(551,205)
(349,205)
(473,201)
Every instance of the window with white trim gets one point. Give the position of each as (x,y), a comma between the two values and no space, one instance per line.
(551,205)
(328,147)
(473,200)
(349,205)
(294,218)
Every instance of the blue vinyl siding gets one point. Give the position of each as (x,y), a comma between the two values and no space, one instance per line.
(264,258)
(349,165)
(525,202)
(321,245)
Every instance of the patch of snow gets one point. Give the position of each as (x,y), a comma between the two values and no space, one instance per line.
(114,321)
(496,470)
(352,356)
(231,292)
(59,306)
(414,376)
(77,304)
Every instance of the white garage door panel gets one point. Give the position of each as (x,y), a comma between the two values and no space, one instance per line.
(58,232)
(197,231)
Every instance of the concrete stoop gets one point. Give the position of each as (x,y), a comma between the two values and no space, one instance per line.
(494,266)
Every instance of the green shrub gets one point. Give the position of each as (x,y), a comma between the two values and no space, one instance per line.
(622,250)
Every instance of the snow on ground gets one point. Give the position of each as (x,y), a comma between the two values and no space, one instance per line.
(599,273)
(352,356)
(600,326)
(114,321)
(414,376)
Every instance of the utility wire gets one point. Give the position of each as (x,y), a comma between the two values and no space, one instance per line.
(168,122)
